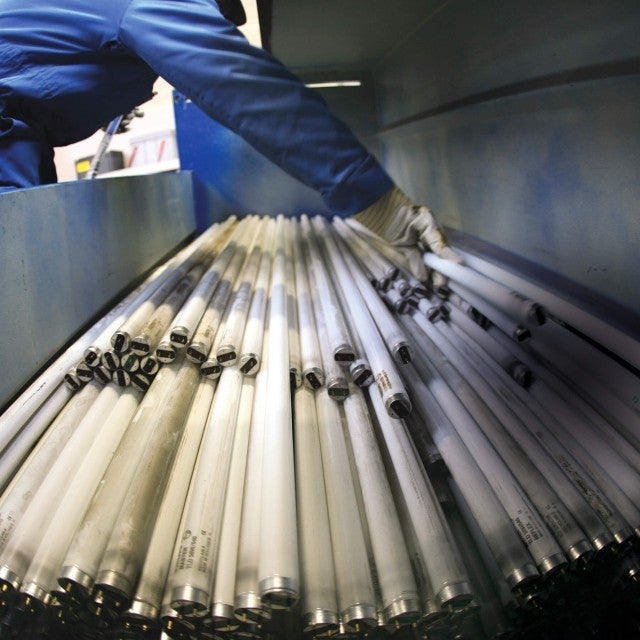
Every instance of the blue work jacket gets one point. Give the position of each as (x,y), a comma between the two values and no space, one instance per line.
(69,66)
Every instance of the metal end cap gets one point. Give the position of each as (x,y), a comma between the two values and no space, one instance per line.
(33,598)
(141,345)
(92,356)
(581,551)
(536,314)
(75,582)
(248,608)
(249,364)
(121,378)
(189,601)
(520,334)
(344,353)
(432,616)
(9,580)
(279,592)
(197,352)
(456,595)
(522,576)
(120,341)
(320,620)
(166,353)
(114,588)
(227,355)
(603,543)
(398,405)
(222,617)
(360,614)
(313,378)
(620,537)
(403,610)
(361,373)
(337,388)
(179,337)
(145,610)
(552,564)
(521,374)
(403,353)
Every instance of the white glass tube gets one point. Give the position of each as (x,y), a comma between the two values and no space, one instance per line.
(191,579)
(395,577)
(312,371)
(534,532)
(295,357)
(507,548)
(147,601)
(381,268)
(394,337)
(230,345)
(356,596)
(15,453)
(360,368)
(145,342)
(587,380)
(505,358)
(186,321)
(492,383)
(573,436)
(319,600)
(511,303)
(388,381)
(14,418)
(445,571)
(247,602)
(45,565)
(542,479)
(252,341)
(602,332)
(24,485)
(510,327)
(121,338)
(124,554)
(14,560)
(82,560)
(202,341)
(278,570)
(340,343)
(222,601)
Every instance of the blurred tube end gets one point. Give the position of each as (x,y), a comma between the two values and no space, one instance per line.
(223,617)
(456,595)
(553,564)
(522,576)
(403,610)
(75,582)
(189,601)
(320,621)
(248,608)
(580,552)
(360,615)
(279,592)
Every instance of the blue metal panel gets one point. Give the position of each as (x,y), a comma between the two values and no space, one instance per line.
(68,250)
(552,175)
(242,180)
(469,48)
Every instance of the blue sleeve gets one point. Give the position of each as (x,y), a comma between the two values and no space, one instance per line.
(206,58)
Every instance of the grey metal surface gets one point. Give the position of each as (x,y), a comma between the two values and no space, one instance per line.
(68,250)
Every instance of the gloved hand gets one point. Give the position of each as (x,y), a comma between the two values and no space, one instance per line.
(408,226)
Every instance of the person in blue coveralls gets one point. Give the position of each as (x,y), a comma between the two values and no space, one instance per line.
(69,66)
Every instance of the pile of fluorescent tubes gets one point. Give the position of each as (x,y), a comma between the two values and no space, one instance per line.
(281,432)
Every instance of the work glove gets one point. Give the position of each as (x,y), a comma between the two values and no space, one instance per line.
(409,227)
